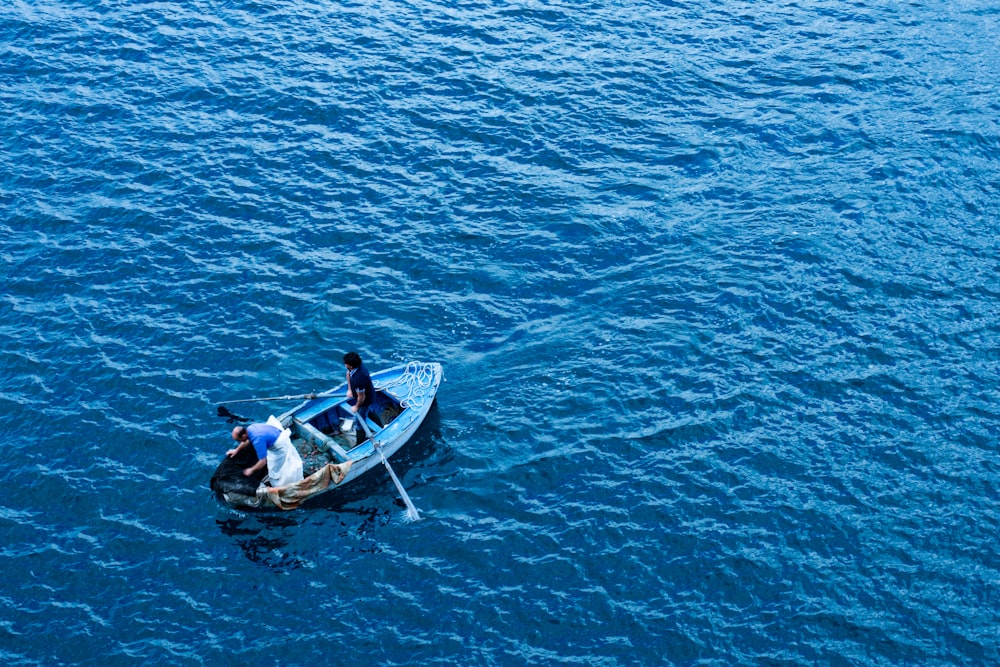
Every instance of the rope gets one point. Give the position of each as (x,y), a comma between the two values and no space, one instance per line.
(416,380)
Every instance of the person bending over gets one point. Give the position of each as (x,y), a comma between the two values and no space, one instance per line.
(259,436)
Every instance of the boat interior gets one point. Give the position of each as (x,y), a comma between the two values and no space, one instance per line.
(328,430)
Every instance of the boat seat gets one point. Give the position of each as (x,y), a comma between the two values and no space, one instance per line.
(320,439)
(321,406)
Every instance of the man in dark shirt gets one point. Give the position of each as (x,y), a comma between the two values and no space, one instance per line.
(360,391)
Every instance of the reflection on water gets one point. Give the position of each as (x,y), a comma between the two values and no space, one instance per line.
(264,537)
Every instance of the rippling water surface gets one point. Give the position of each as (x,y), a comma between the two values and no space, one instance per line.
(714,285)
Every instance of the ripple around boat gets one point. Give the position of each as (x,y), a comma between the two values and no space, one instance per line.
(334,449)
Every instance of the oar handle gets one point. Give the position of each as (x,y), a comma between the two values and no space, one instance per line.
(364,424)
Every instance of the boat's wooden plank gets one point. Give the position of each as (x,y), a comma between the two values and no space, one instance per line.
(312,411)
(322,440)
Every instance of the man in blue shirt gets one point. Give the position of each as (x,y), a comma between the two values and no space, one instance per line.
(260,437)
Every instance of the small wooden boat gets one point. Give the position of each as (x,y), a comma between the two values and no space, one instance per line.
(336,445)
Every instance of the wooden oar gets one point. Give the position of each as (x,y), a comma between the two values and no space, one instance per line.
(411,509)
(297,397)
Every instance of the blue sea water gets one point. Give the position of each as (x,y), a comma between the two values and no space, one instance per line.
(714,284)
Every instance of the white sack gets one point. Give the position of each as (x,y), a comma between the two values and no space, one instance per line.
(284,465)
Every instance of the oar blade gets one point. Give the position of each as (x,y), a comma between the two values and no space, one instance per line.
(411,509)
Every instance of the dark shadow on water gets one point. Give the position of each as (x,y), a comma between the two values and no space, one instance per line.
(231,418)
(264,537)
(260,539)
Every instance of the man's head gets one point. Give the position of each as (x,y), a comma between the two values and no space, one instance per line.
(352,359)
(240,434)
